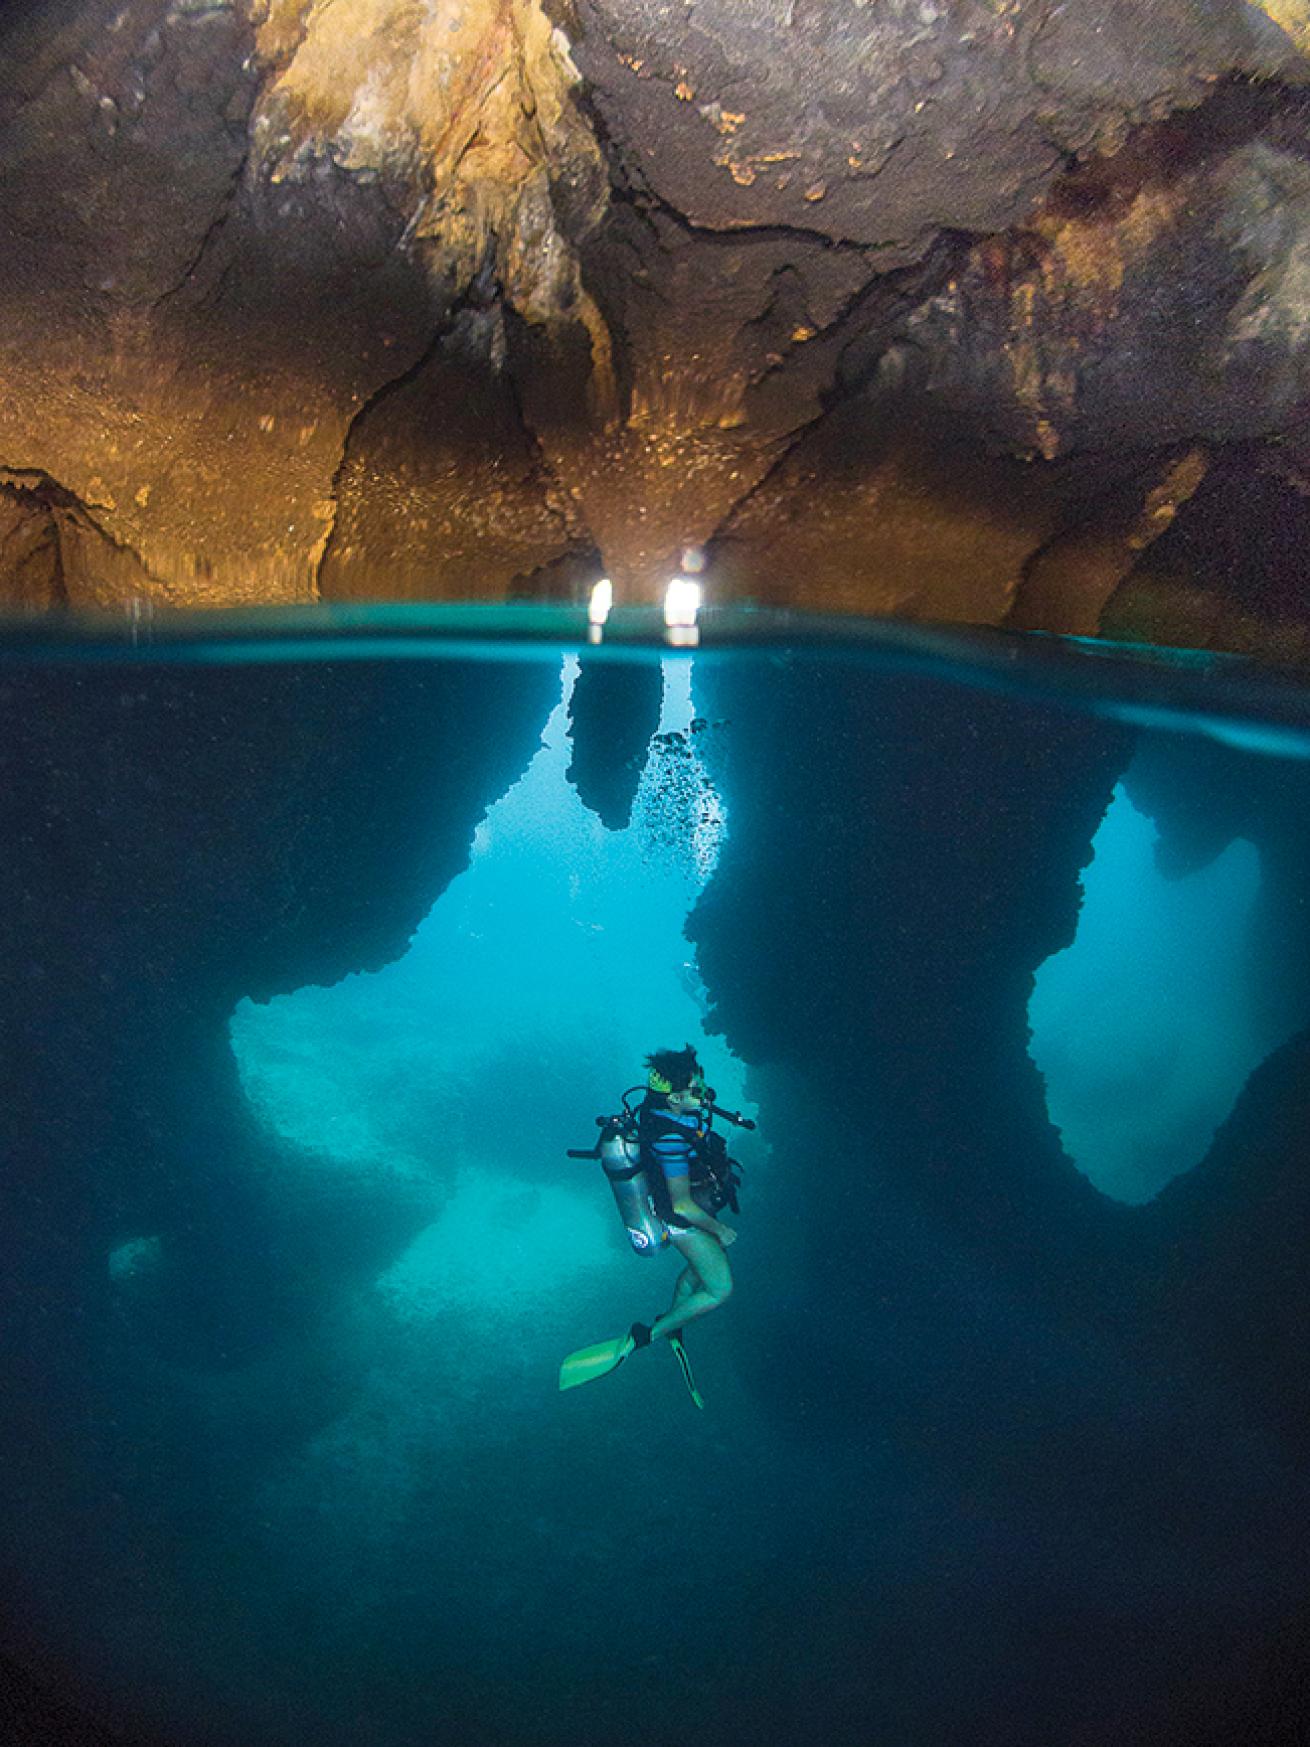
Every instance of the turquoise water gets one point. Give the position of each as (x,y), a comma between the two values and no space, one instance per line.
(331,934)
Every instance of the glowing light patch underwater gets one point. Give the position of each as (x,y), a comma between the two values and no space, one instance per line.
(525,1004)
(542,1238)
(1143,1029)
(137,1257)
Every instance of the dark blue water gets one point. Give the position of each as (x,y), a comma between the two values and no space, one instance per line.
(328,936)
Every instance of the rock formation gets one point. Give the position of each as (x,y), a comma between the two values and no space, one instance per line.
(941,309)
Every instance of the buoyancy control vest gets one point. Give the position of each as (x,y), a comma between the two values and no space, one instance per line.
(636,1180)
(714,1176)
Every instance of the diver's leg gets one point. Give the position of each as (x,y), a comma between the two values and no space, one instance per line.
(712,1283)
(686,1283)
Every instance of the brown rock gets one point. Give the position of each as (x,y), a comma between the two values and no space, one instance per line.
(1156,298)
(302,298)
(1067,583)
(441,494)
(884,509)
(29,552)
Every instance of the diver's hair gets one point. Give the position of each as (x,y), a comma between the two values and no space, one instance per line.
(678,1066)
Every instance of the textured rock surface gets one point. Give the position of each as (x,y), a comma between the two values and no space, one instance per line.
(1231,573)
(1160,296)
(355,299)
(882,508)
(882,123)
(220,257)
(442,493)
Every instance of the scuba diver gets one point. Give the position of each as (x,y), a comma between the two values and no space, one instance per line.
(671,1175)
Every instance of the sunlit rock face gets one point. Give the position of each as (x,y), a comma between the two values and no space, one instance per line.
(186,380)
(942,309)
(221,251)
(441,492)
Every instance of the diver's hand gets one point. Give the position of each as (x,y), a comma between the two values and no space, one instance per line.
(726,1236)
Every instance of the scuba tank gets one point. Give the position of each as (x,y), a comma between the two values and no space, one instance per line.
(620,1159)
(619,1152)
(715,1177)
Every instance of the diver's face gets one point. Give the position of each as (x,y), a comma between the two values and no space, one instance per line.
(689,1098)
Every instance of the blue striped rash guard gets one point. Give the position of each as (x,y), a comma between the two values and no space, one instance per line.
(669,1144)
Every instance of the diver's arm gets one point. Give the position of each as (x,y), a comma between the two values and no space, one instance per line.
(686,1208)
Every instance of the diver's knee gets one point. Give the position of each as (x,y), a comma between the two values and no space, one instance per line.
(721,1291)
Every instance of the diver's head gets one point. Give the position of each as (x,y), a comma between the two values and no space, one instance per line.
(675,1074)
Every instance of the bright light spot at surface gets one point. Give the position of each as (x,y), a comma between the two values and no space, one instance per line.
(524,1006)
(602,600)
(1144,1028)
(682,602)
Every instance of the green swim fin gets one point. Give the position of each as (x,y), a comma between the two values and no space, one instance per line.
(588,1363)
(684,1365)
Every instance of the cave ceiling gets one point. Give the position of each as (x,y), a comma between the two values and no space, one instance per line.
(944,308)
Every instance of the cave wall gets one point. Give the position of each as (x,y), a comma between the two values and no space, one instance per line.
(306,301)
(904,855)
(178,838)
(202,292)
(181,838)
(1227,1239)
